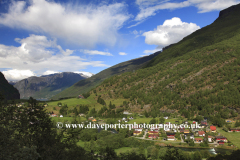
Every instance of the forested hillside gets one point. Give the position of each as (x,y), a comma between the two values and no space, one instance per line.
(198,75)
(7,90)
(87,84)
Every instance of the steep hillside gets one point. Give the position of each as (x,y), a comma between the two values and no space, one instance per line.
(198,75)
(46,86)
(86,84)
(7,90)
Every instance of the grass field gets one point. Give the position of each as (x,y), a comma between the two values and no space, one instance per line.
(147,120)
(233,137)
(73,102)
(62,119)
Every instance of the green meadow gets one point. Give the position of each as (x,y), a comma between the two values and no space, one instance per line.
(233,137)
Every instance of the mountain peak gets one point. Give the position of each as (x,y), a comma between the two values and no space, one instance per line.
(229,11)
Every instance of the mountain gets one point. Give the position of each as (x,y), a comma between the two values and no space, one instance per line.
(7,90)
(46,86)
(198,75)
(12,82)
(86,84)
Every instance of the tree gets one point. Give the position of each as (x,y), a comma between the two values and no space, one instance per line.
(173,153)
(197,156)
(30,135)
(161,120)
(153,121)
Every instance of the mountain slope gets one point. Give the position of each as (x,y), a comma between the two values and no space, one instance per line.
(86,84)
(198,75)
(227,22)
(46,86)
(7,90)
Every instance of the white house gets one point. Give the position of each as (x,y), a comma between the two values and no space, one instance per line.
(165,117)
(61,115)
(138,129)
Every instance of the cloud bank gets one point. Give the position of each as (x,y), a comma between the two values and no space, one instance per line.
(172,31)
(82,25)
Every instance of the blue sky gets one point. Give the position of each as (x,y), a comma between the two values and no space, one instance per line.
(40,37)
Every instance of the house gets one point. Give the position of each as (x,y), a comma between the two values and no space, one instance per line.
(204,122)
(213,128)
(53,115)
(186,131)
(209,138)
(131,118)
(61,115)
(80,96)
(234,130)
(153,136)
(152,132)
(221,138)
(181,130)
(203,125)
(94,120)
(165,117)
(198,139)
(194,122)
(171,138)
(136,133)
(208,130)
(221,142)
(138,129)
(191,136)
(201,133)
(228,120)
(170,134)
(124,119)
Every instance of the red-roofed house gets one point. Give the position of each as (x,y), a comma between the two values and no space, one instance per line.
(153,136)
(221,142)
(201,133)
(198,139)
(136,133)
(221,138)
(152,132)
(234,129)
(213,128)
(171,138)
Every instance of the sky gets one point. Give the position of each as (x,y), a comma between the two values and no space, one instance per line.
(41,37)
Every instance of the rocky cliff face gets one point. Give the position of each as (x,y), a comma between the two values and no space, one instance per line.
(46,86)
(7,90)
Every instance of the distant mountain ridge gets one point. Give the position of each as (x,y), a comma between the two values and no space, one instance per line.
(7,90)
(87,84)
(46,86)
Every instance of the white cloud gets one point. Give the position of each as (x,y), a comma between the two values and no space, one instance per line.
(213,5)
(87,74)
(34,48)
(40,54)
(48,72)
(170,32)
(82,25)
(150,8)
(95,52)
(151,51)
(16,75)
(122,53)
